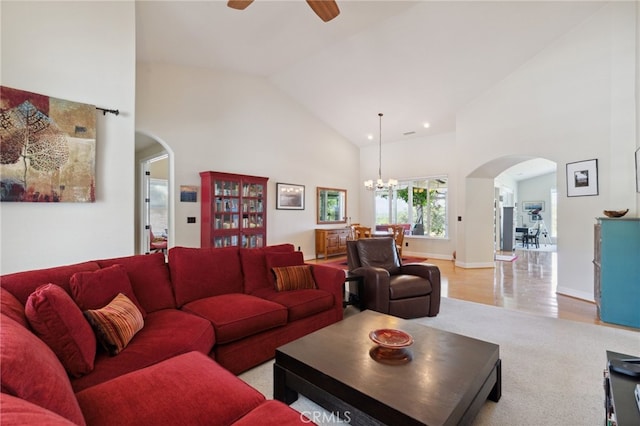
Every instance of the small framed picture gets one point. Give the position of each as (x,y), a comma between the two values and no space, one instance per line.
(582,178)
(533,205)
(289,196)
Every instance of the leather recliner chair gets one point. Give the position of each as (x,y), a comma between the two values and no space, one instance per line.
(406,291)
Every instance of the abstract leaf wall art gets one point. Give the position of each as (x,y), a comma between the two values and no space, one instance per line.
(47,148)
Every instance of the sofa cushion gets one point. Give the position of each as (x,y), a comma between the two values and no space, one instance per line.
(197,273)
(31,371)
(11,307)
(22,284)
(300,303)
(274,260)
(235,316)
(16,411)
(115,324)
(149,277)
(58,321)
(94,290)
(166,333)
(189,389)
(254,266)
(273,413)
(293,278)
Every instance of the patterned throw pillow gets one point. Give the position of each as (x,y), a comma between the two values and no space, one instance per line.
(293,277)
(115,324)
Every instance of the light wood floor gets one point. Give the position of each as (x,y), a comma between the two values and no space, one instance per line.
(526,284)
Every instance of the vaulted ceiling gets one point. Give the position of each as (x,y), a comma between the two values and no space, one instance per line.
(415,61)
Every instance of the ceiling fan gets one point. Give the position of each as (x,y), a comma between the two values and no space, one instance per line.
(325,9)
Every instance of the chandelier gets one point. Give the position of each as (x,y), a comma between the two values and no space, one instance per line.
(380,184)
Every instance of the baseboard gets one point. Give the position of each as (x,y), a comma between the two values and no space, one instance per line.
(575,294)
(438,256)
(476,265)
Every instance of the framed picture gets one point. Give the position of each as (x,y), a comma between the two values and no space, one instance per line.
(289,196)
(582,178)
(188,193)
(638,170)
(532,205)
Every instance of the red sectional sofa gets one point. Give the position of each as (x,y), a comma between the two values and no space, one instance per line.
(203,305)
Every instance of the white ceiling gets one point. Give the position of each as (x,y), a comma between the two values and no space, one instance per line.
(414,61)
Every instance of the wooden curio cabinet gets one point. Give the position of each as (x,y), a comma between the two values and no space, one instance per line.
(233,210)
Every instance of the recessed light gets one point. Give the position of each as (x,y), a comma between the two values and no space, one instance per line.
(370,137)
(426,125)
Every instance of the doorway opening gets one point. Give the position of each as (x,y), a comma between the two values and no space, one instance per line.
(154,194)
(156,203)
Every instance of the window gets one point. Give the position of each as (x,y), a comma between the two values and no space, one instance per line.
(421,204)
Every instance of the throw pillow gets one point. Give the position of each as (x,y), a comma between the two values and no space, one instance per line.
(93,290)
(274,260)
(58,321)
(116,324)
(293,278)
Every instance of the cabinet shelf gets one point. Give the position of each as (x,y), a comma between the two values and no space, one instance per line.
(233,210)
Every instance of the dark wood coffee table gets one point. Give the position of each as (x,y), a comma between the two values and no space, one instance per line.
(446,382)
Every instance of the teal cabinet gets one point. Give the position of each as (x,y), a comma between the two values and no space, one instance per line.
(617,270)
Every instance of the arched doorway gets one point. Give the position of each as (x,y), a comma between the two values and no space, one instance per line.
(154,210)
(477,239)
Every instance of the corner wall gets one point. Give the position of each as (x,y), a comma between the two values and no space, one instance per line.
(237,123)
(83,52)
(574,101)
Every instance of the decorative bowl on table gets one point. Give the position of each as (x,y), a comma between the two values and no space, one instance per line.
(615,213)
(390,338)
(391,346)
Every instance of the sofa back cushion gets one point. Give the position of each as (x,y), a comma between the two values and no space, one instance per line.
(94,290)
(150,280)
(30,370)
(197,273)
(11,307)
(58,321)
(22,284)
(254,266)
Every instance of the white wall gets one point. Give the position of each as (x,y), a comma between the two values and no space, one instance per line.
(574,101)
(241,124)
(83,52)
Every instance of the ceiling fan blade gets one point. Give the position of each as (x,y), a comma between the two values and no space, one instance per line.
(325,9)
(239,4)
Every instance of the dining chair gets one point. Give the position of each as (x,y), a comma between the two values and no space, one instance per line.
(157,243)
(362,232)
(533,239)
(398,237)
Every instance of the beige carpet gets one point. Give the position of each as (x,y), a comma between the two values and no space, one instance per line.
(551,368)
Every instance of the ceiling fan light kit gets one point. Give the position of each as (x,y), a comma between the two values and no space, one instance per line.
(325,9)
(379,183)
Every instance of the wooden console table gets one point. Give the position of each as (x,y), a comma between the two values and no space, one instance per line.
(331,242)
